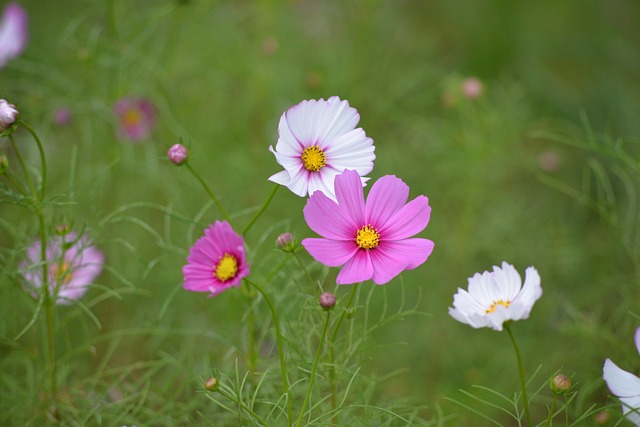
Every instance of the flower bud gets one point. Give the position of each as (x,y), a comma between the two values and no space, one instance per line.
(8,114)
(211,384)
(602,418)
(472,88)
(4,163)
(62,116)
(560,384)
(286,242)
(327,300)
(177,154)
(62,229)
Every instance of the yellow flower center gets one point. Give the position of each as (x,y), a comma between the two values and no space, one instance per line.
(497,303)
(367,238)
(313,158)
(227,268)
(132,117)
(60,273)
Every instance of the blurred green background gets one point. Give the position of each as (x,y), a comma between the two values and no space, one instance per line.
(541,170)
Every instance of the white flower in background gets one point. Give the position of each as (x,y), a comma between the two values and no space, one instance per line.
(497,296)
(13,32)
(625,386)
(318,140)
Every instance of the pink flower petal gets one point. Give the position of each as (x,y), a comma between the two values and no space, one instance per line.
(333,253)
(356,270)
(350,196)
(328,219)
(386,197)
(411,219)
(391,258)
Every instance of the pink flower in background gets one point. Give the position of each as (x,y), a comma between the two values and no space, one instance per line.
(217,261)
(62,116)
(371,239)
(472,88)
(13,32)
(317,140)
(625,386)
(497,296)
(136,118)
(73,264)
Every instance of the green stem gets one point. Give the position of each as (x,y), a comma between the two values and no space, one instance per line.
(314,367)
(208,190)
(553,408)
(244,406)
(283,364)
(260,211)
(523,382)
(304,268)
(27,175)
(43,159)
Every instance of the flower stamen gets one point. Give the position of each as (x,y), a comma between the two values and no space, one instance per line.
(367,238)
(313,158)
(227,268)
(491,309)
(61,273)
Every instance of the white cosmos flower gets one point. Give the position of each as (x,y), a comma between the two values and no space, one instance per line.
(625,386)
(318,140)
(497,296)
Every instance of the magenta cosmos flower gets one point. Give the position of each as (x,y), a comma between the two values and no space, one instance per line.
(371,239)
(317,140)
(136,118)
(217,261)
(71,266)
(13,32)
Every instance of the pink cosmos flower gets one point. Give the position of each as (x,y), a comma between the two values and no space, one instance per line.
(317,140)
(217,261)
(13,32)
(371,239)
(136,116)
(73,264)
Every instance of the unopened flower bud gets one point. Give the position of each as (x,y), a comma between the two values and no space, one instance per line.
(560,384)
(472,88)
(327,300)
(602,418)
(286,242)
(8,114)
(177,154)
(62,116)
(4,163)
(62,229)
(211,384)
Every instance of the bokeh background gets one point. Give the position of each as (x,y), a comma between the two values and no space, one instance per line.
(540,169)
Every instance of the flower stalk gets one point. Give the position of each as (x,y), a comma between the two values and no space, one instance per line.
(523,382)
(209,192)
(260,211)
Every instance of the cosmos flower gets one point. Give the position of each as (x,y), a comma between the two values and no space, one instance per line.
(371,239)
(136,118)
(318,140)
(217,261)
(625,386)
(13,32)
(73,264)
(497,296)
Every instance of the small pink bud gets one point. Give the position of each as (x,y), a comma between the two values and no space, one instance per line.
(327,300)
(8,114)
(177,154)
(602,418)
(560,384)
(62,116)
(286,242)
(549,161)
(472,88)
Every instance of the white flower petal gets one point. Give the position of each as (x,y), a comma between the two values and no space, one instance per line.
(631,409)
(620,382)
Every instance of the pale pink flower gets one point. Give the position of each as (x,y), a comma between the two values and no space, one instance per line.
(8,114)
(73,264)
(318,140)
(625,386)
(472,88)
(62,116)
(136,118)
(371,239)
(13,32)
(497,296)
(217,261)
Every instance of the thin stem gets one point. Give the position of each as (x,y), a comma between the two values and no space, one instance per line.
(27,175)
(208,190)
(244,406)
(304,268)
(523,382)
(314,367)
(261,210)
(553,408)
(283,363)
(43,158)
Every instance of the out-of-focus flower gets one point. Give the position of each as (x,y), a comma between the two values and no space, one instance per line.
(327,300)
(318,140)
(8,114)
(13,32)
(625,386)
(472,88)
(549,161)
(62,116)
(371,239)
(177,154)
(602,417)
(136,117)
(497,296)
(217,261)
(270,45)
(73,264)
